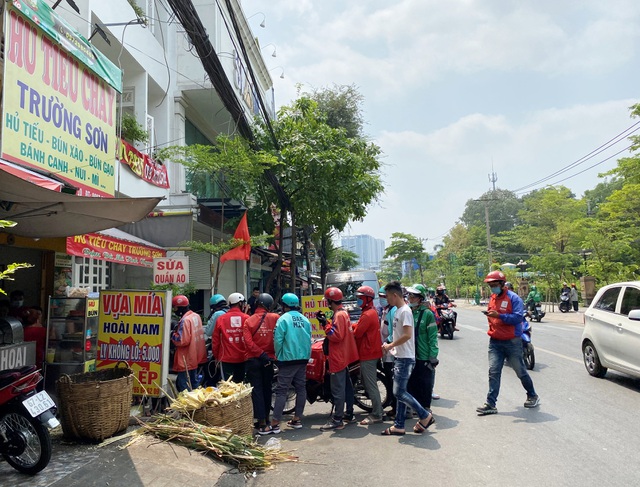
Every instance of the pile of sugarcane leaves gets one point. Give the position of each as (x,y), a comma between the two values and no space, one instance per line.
(243,452)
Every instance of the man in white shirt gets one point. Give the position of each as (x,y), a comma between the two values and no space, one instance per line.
(403,347)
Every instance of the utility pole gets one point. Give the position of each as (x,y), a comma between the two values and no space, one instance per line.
(486,220)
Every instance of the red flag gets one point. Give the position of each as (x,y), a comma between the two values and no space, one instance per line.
(241,252)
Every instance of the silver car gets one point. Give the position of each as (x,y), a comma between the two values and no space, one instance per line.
(611,336)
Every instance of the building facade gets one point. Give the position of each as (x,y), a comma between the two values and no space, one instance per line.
(370,250)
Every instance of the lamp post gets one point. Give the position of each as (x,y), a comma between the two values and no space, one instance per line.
(585,253)
(522,265)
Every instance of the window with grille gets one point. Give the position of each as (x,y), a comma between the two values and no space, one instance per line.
(91,273)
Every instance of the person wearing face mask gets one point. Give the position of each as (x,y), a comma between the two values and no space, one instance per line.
(386,334)
(369,345)
(16,301)
(426,337)
(505,315)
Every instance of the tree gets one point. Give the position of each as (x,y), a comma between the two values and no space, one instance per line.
(390,270)
(343,260)
(407,248)
(503,206)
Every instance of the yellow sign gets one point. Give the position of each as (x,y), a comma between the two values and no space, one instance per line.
(133,327)
(58,115)
(310,306)
(93,306)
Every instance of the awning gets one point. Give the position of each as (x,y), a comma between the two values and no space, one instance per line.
(31,176)
(41,213)
(114,245)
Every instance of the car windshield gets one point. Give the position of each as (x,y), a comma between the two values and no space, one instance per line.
(349,289)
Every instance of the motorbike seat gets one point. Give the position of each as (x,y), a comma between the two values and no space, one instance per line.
(10,376)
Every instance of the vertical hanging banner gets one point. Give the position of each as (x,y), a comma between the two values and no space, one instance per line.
(59,100)
(310,306)
(134,327)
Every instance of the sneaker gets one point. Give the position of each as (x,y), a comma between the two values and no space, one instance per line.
(294,423)
(486,409)
(532,402)
(435,396)
(332,425)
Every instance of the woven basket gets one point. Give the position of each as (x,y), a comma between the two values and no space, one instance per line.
(236,415)
(95,405)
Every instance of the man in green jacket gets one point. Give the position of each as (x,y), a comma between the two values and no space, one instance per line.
(426,339)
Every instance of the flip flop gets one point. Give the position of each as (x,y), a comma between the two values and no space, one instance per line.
(421,428)
(369,421)
(390,432)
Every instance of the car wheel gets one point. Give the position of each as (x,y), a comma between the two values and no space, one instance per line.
(592,361)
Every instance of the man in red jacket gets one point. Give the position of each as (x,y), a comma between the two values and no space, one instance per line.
(260,354)
(188,338)
(228,341)
(342,352)
(369,342)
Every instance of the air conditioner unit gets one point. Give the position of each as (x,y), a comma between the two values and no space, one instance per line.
(152,135)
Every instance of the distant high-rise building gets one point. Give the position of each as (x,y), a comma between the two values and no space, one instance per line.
(370,250)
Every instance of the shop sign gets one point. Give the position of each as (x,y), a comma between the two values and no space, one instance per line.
(93,307)
(310,306)
(134,327)
(171,270)
(18,355)
(143,165)
(59,100)
(103,247)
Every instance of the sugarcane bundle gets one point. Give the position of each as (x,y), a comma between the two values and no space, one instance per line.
(241,451)
(225,392)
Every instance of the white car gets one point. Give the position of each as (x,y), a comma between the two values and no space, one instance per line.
(611,336)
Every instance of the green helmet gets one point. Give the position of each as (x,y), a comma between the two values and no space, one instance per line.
(382,292)
(418,289)
(533,287)
(290,300)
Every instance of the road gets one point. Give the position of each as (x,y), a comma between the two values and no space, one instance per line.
(584,432)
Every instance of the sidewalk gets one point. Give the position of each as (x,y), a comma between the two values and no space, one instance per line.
(575,318)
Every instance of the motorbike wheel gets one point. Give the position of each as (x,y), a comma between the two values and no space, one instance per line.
(290,403)
(563,308)
(539,318)
(361,398)
(450,330)
(529,356)
(21,427)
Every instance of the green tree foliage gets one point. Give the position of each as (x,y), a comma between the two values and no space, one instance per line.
(390,270)
(407,248)
(343,260)
(503,209)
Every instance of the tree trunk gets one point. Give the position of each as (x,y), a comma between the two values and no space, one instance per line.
(308,260)
(293,265)
(324,265)
(276,273)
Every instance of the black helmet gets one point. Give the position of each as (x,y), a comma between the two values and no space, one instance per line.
(265,300)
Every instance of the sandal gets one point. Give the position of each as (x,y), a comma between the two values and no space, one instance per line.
(294,423)
(421,428)
(392,432)
(369,420)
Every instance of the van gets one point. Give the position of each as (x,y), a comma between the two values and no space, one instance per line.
(349,282)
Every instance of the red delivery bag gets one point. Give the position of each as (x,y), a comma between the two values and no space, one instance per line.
(316,364)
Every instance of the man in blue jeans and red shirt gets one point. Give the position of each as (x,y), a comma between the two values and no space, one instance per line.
(505,314)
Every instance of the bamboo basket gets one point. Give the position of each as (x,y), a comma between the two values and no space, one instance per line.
(236,415)
(95,405)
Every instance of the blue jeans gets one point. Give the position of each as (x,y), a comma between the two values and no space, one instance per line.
(402,368)
(182,383)
(499,350)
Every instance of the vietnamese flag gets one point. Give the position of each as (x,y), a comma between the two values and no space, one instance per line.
(241,252)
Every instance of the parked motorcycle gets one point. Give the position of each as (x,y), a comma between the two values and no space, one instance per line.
(25,419)
(319,385)
(447,322)
(565,304)
(528,352)
(535,311)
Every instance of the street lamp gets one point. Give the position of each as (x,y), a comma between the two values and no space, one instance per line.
(522,265)
(585,253)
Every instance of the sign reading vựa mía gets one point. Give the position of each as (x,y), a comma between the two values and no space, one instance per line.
(134,327)
(59,100)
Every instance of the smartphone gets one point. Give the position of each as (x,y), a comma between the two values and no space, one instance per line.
(484,312)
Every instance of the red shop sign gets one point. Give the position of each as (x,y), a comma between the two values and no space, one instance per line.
(103,247)
(142,165)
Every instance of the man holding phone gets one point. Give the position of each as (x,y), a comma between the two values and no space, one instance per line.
(505,315)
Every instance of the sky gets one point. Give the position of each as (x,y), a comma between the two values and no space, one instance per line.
(456,90)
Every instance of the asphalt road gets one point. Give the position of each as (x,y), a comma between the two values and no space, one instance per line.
(585,431)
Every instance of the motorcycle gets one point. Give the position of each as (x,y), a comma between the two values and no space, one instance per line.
(25,419)
(535,311)
(528,352)
(318,385)
(565,305)
(447,320)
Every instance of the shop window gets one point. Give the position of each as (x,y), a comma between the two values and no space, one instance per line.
(91,273)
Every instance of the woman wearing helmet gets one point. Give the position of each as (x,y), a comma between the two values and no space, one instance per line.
(260,354)
(505,315)
(228,342)
(367,335)
(342,352)
(218,307)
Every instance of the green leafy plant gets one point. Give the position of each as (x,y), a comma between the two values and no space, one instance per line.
(131,130)
(138,11)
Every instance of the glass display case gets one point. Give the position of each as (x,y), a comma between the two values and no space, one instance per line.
(72,329)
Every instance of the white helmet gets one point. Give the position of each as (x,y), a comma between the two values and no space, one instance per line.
(235,298)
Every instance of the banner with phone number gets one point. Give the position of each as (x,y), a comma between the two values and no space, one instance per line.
(133,327)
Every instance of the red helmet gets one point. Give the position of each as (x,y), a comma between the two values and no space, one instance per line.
(366,291)
(495,276)
(333,294)
(179,301)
